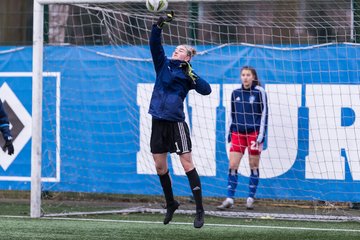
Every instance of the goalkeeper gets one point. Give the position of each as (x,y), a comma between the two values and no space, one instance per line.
(5,130)
(170,133)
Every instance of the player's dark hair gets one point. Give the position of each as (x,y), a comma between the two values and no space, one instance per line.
(256,81)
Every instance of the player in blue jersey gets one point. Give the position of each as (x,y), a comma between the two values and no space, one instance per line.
(249,115)
(5,130)
(170,133)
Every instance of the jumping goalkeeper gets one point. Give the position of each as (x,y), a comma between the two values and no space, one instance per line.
(170,133)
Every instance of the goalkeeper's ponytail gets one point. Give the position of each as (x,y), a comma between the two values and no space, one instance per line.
(191,51)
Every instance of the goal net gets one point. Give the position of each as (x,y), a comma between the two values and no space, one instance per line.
(98,81)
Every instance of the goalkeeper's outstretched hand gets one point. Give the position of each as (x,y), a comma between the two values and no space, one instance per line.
(8,146)
(165,19)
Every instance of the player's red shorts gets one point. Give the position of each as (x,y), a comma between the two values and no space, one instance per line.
(241,141)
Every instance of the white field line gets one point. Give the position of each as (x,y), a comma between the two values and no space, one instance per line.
(186,223)
(228,214)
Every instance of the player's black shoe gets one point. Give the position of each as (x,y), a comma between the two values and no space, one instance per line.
(170,212)
(199,219)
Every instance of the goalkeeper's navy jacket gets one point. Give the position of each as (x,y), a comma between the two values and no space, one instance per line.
(249,111)
(172,84)
(4,123)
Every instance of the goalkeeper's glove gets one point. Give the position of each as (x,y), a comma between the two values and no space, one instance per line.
(190,72)
(8,146)
(163,20)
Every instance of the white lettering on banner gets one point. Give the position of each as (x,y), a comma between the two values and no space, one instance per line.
(282,136)
(326,135)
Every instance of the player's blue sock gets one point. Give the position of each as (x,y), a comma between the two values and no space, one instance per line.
(232,183)
(253,182)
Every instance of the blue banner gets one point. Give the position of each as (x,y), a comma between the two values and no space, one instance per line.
(96,127)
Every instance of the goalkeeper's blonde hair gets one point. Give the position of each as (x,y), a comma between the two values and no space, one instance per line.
(191,51)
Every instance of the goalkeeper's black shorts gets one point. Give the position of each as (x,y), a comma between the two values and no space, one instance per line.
(167,136)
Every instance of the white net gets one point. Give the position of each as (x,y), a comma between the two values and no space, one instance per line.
(306,58)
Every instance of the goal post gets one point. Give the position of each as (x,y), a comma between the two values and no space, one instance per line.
(306,54)
(37,90)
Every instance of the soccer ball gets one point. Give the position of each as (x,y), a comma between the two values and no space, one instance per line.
(156,5)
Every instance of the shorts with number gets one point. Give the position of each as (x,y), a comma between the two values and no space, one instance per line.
(241,141)
(167,136)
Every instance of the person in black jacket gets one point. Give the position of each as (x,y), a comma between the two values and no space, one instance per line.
(5,130)
(170,133)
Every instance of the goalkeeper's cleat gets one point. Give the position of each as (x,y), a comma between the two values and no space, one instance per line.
(170,212)
(250,203)
(199,219)
(227,203)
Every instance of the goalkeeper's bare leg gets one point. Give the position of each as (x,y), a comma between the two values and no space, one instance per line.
(163,172)
(195,185)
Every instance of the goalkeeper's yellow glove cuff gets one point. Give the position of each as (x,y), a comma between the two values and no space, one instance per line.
(164,20)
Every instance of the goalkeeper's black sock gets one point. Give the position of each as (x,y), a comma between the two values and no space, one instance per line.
(195,185)
(167,188)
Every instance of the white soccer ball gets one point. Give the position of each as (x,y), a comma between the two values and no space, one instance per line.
(156,5)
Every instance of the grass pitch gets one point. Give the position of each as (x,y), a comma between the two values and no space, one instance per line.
(15,224)
(150,226)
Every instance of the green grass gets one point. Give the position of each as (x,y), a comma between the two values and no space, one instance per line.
(149,226)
